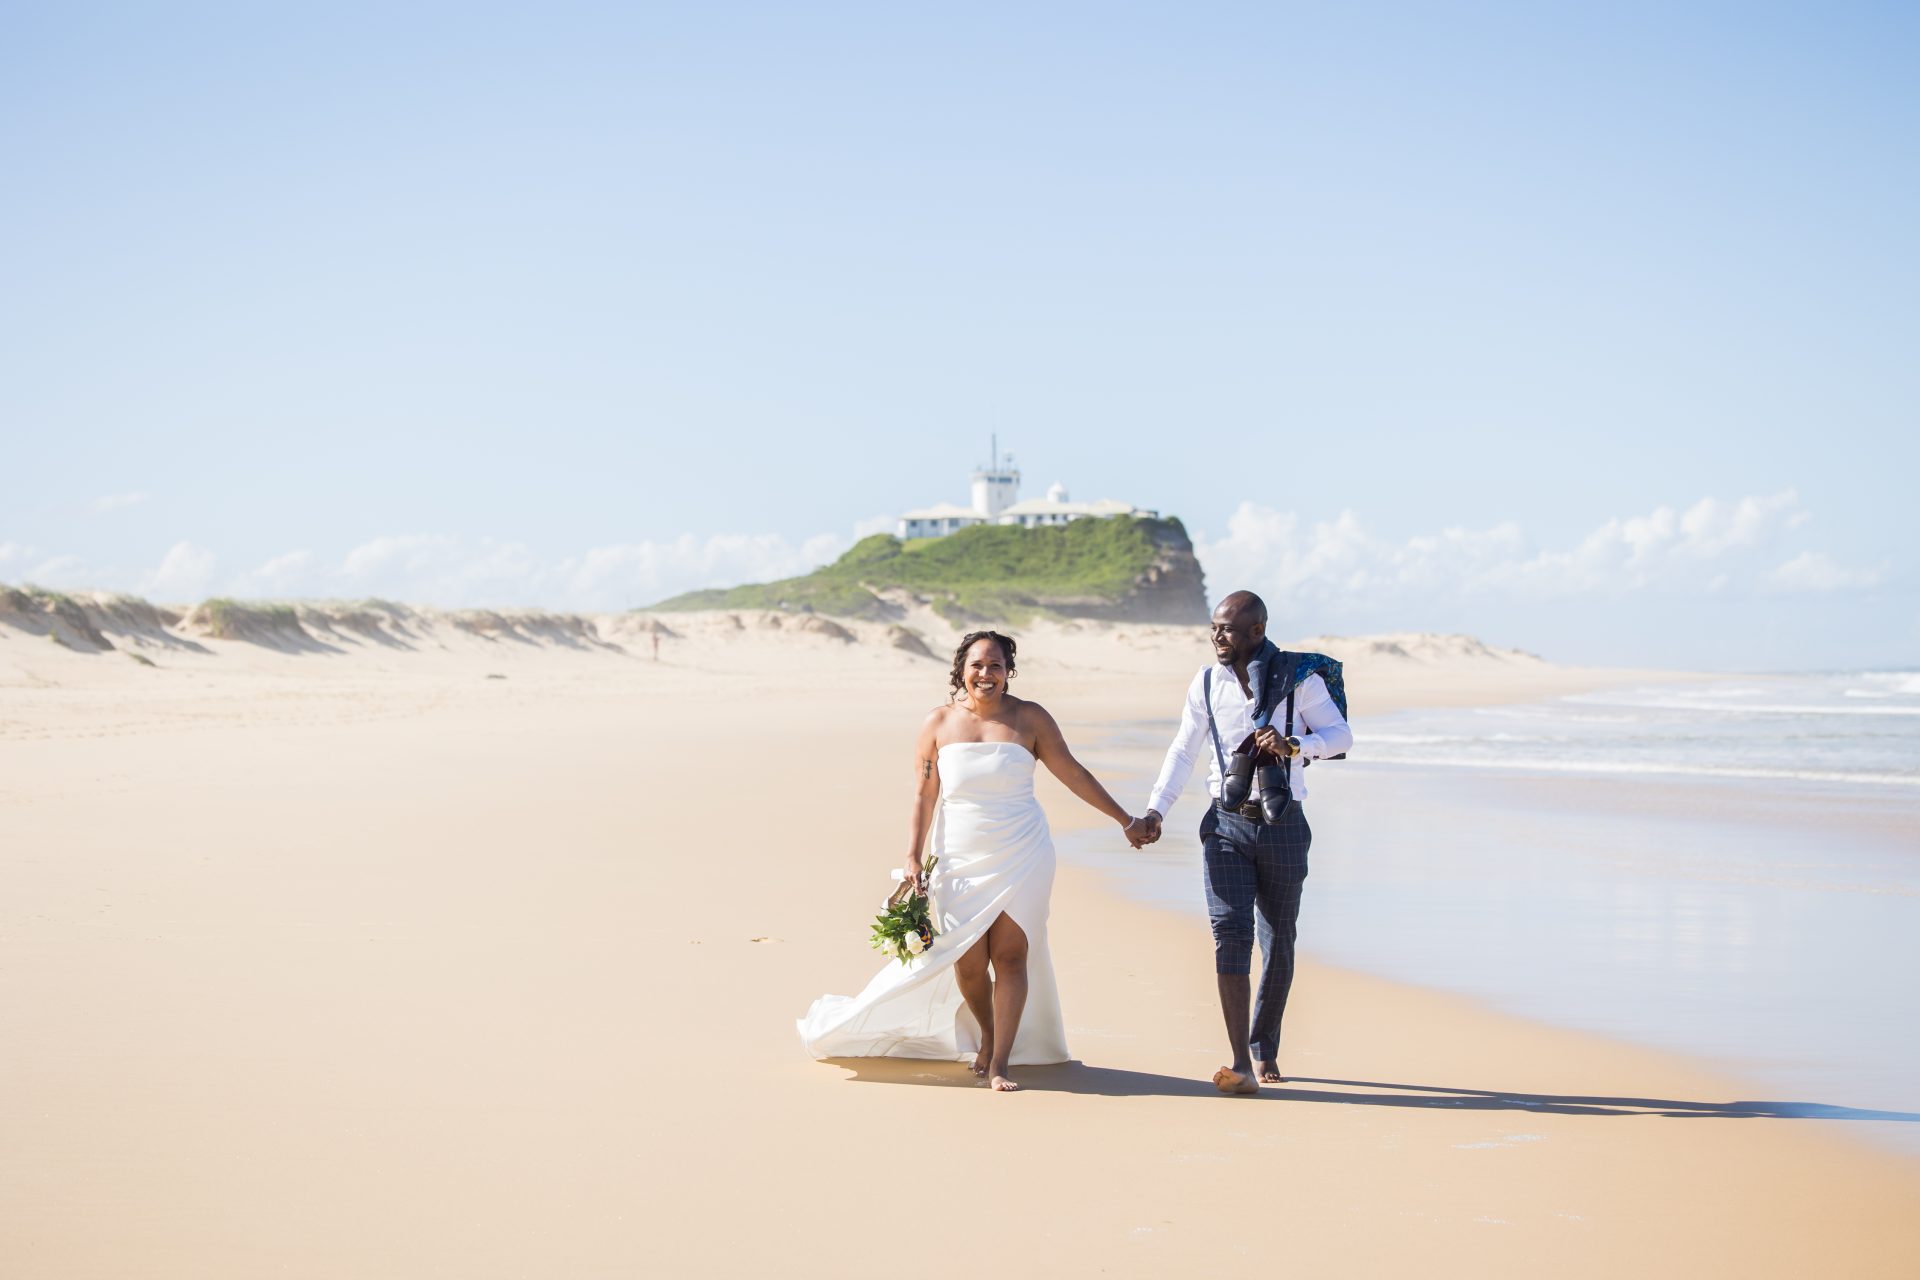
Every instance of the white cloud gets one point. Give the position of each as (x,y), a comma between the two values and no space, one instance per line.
(409,554)
(1711,527)
(638,573)
(1341,568)
(441,569)
(20,563)
(117,501)
(60,571)
(184,574)
(874,524)
(1712,545)
(449,571)
(280,576)
(1817,571)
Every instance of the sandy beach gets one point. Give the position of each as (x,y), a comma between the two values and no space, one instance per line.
(480,956)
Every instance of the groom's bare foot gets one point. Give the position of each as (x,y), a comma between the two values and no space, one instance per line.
(1231,1081)
(1002,1083)
(1270,1072)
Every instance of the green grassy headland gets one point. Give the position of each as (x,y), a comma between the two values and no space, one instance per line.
(994,572)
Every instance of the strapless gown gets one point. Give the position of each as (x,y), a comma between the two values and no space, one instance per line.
(996,857)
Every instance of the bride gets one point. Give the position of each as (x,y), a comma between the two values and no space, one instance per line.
(985,988)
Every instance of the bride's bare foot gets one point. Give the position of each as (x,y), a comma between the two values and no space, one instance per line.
(981,1059)
(1002,1084)
(1270,1072)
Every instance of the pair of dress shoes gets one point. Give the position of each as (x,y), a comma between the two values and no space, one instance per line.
(1247,764)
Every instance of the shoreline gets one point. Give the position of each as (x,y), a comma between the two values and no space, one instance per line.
(332,970)
(1731,1076)
(1718,844)
(1719,1079)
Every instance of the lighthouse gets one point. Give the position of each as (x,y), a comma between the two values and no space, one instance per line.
(996,500)
(995,488)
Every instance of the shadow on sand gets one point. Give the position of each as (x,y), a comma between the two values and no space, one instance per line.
(1108,1082)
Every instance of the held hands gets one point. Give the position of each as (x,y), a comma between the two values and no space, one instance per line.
(1142,832)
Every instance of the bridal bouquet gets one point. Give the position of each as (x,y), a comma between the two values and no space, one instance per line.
(905,928)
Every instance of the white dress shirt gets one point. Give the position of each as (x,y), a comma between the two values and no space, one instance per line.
(1317,722)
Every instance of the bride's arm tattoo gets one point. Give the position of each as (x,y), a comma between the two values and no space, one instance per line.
(926,792)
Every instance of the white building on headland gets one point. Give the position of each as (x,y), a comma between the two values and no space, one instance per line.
(996,500)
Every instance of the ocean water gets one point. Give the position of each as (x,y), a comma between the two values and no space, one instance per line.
(1729,868)
(1855,729)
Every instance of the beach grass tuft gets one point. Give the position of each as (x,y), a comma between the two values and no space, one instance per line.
(226,619)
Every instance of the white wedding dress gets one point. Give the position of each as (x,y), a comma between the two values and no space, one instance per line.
(995,856)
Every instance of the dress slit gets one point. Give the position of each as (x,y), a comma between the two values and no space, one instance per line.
(995,859)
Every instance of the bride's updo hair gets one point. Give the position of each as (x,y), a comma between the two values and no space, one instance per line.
(960,655)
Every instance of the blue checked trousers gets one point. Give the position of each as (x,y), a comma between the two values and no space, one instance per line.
(1254,876)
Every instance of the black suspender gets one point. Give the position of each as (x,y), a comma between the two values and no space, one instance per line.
(1287,764)
(1213,726)
(1206,692)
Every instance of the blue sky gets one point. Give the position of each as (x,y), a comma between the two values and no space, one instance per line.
(1584,328)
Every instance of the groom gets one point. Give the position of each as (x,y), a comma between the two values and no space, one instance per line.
(1257,716)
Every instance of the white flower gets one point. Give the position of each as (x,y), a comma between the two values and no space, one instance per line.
(914,944)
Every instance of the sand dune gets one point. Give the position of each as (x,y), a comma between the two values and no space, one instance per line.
(101,622)
(84,622)
(1416,646)
(1397,669)
(293,652)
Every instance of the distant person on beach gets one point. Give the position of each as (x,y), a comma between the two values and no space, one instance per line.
(1254,836)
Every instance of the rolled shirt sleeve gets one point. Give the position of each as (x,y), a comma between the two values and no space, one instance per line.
(1327,731)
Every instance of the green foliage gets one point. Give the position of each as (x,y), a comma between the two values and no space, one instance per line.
(226,617)
(43,595)
(901,920)
(949,609)
(820,594)
(871,549)
(988,572)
